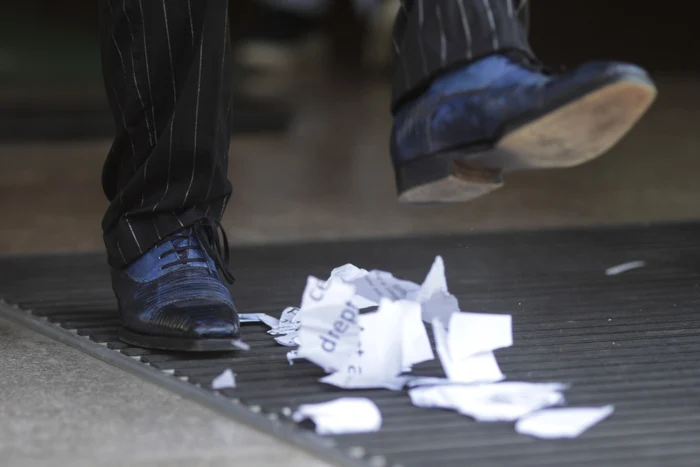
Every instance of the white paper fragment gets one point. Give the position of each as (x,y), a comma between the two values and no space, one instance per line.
(239,344)
(478,333)
(258,318)
(434,296)
(291,356)
(342,380)
(349,272)
(505,402)
(329,332)
(378,357)
(288,340)
(249,317)
(288,322)
(567,422)
(225,380)
(342,416)
(271,321)
(478,368)
(415,344)
(624,267)
(418,381)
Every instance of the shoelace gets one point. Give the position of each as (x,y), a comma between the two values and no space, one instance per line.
(206,232)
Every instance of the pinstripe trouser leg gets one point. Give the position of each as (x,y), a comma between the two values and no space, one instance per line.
(435,36)
(167,67)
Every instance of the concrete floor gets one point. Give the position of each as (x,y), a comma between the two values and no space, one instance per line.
(329,178)
(62,407)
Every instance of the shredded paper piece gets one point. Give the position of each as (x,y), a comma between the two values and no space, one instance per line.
(225,380)
(472,362)
(499,402)
(341,416)
(366,330)
(329,332)
(621,268)
(566,422)
(380,356)
(271,321)
(434,296)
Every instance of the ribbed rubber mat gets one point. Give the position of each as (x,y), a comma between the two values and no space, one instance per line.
(631,340)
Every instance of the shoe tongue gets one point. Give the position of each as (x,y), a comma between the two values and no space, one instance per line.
(186,238)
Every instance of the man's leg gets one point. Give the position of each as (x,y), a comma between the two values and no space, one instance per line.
(471,101)
(167,70)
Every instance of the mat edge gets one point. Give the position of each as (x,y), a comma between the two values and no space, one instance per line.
(218,404)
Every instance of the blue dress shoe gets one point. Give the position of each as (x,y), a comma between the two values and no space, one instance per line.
(454,142)
(173,297)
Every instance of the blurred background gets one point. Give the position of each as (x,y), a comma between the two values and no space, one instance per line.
(309,155)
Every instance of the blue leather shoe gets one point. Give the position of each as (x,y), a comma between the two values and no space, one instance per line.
(454,142)
(173,297)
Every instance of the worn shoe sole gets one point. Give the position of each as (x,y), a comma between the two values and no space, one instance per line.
(176,343)
(570,135)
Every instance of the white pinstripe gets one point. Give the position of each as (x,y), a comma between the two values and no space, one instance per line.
(407,78)
(131,139)
(421,18)
(196,120)
(148,75)
(150,94)
(136,83)
(443,39)
(155,226)
(178,219)
(223,207)
(492,24)
(221,80)
(172,118)
(189,13)
(133,234)
(119,248)
(467,29)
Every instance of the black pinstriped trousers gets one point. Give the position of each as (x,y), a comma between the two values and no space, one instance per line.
(167,67)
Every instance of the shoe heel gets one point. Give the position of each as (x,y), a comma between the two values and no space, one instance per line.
(442,178)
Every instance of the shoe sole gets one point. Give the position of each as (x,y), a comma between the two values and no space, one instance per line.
(178,344)
(568,136)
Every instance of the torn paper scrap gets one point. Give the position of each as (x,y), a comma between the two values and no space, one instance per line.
(288,322)
(376,285)
(343,381)
(329,333)
(271,321)
(566,422)
(620,268)
(504,402)
(434,296)
(378,359)
(320,294)
(341,416)
(418,381)
(288,340)
(291,356)
(249,317)
(240,344)
(225,380)
(476,333)
(415,344)
(477,368)
(349,272)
